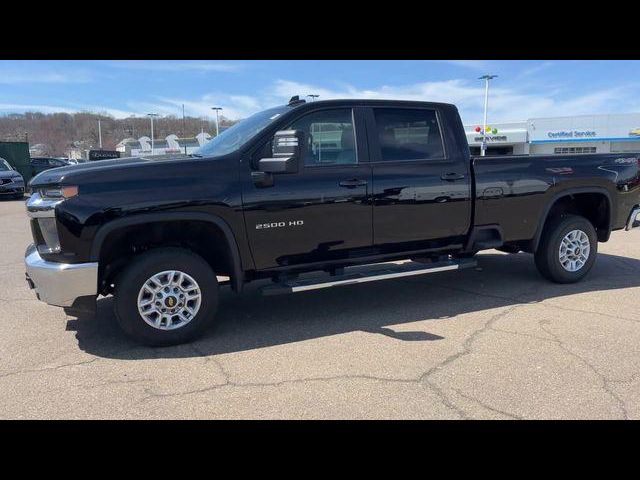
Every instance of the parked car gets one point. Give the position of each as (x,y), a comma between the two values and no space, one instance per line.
(40,164)
(303,187)
(11,182)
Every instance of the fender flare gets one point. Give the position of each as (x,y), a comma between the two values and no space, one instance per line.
(565,193)
(237,279)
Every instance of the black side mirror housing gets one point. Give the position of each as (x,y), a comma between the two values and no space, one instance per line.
(286,153)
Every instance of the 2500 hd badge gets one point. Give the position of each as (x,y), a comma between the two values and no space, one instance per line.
(291,223)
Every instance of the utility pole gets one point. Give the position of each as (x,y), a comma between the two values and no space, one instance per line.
(313,97)
(486,79)
(151,115)
(217,109)
(100,134)
(183,131)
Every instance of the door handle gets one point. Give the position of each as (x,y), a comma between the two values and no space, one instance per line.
(452,176)
(353,183)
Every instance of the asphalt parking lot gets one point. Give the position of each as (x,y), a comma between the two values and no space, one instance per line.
(495,342)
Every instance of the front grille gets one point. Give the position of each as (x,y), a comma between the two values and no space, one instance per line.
(4,181)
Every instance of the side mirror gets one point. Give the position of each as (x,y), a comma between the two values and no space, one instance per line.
(286,153)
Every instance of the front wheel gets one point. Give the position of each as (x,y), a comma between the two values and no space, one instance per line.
(166,296)
(567,249)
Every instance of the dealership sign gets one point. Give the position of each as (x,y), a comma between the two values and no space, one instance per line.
(585,128)
(573,134)
(492,138)
(501,137)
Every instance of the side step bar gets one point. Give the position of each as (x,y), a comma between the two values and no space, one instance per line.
(386,271)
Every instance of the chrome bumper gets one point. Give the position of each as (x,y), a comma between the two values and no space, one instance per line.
(634,219)
(60,284)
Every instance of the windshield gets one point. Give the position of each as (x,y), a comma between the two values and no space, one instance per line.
(233,138)
(4,166)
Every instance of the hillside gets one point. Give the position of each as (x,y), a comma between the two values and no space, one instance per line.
(61,131)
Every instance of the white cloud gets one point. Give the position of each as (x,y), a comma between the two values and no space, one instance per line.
(233,106)
(507,102)
(20,108)
(6,108)
(536,69)
(169,66)
(19,78)
(473,64)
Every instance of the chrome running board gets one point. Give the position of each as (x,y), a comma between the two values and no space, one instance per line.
(385,272)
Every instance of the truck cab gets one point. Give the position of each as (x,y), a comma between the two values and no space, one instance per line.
(372,179)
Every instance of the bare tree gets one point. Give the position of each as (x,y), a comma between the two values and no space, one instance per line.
(62,131)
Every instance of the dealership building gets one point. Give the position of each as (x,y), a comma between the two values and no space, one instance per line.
(561,135)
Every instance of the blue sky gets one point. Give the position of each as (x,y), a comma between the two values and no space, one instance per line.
(524,89)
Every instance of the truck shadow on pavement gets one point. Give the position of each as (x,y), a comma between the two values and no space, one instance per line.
(400,309)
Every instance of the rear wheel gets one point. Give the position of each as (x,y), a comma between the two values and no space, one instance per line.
(567,249)
(166,296)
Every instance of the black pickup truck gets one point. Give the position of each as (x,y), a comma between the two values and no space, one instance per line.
(325,186)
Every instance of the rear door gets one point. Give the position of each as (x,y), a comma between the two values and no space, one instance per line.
(421,184)
(322,212)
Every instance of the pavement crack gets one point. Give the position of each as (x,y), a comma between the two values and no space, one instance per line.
(488,407)
(603,380)
(468,343)
(46,369)
(466,346)
(546,303)
(229,383)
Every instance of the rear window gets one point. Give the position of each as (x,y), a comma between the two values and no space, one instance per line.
(408,134)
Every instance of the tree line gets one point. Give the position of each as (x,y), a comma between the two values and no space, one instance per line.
(60,132)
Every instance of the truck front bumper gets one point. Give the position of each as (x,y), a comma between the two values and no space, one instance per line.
(634,218)
(60,284)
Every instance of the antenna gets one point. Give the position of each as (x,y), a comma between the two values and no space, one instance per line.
(295,100)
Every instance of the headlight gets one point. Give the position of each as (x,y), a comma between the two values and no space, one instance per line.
(59,192)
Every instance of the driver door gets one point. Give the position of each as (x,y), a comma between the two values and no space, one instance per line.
(322,212)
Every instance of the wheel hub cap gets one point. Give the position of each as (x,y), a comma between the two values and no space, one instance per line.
(574,250)
(169,300)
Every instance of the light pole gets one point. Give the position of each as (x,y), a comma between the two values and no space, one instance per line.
(183,131)
(151,115)
(313,97)
(100,134)
(217,109)
(486,79)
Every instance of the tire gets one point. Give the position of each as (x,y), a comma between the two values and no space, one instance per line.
(548,255)
(197,278)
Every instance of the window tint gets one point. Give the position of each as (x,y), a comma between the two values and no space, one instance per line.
(408,134)
(329,137)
